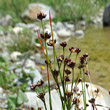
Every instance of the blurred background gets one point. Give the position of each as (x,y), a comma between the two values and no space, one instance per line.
(79,22)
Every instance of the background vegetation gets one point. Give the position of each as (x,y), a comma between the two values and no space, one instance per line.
(73,9)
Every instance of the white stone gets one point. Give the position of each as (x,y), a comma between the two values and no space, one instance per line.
(64,33)
(1,90)
(69,26)
(103,98)
(14,55)
(16,30)
(59,26)
(35,8)
(82,23)
(29,63)
(79,33)
(36,73)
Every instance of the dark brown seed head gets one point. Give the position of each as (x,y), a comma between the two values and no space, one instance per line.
(41,16)
(67,60)
(50,43)
(72,49)
(47,35)
(77,50)
(60,58)
(67,71)
(80,80)
(71,64)
(92,100)
(109,92)
(87,85)
(40,83)
(63,44)
(39,108)
(41,96)
(75,100)
(87,73)
(97,91)
(55,73)
(85,55)
(33,87)
(69,94)
(67,79)
(76,89)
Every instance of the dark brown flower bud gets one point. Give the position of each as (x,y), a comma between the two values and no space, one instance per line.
(41,96)
(67,79)
(55,73)
(60,58)
(81,66)
(109,92)
(85,55)
(67,60)
(97,91)
(33,87)
(50,43)
(63,44)
(67,71)
(40,83)
(75,100)
(39,108)
(47,35)
(72,49)
(80,80)
(77,50)
(71,64)
(92,100)
(41,16)
(82,59)
(87,105)
(69,94)
(87,85)
(76,89)
(87,73)
(46,62)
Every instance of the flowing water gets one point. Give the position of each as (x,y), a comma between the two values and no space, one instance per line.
(96,43)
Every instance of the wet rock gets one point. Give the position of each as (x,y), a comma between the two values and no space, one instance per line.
(35,8)
(14,56)
(106,16)
(5,21)
(64,33)
(1,90)
(103,98)
(79,33)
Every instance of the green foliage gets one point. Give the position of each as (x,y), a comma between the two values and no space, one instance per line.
(21,42)
(15,100)
(73,12)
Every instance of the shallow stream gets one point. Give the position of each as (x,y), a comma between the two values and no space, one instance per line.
(96,43)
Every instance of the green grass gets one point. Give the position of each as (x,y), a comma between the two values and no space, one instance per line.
(64,13)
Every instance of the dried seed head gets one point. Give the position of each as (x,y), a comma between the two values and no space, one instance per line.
(41,16)
(92,100)
(33,87)
(97,91)
(76,89)
(75,100)
(39,108)
(109,92)
(40,83)
(55,73)
(80,80)
(60,58)
(87,73)
(50,43)
(69,94)
(71,64)
(63,44)
(67,60)
(85,55)
(41,96)
(67,71)
(46,36)
(87,85)
(72,49)
(77,50)
(67,79)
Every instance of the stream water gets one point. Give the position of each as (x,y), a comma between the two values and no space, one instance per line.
(96,43)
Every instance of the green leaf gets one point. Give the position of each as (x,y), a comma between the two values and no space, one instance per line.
(21,98)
